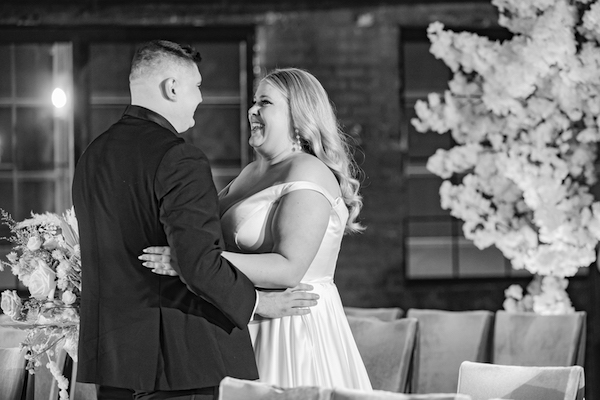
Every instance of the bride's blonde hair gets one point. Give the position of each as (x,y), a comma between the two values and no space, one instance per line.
(314,120)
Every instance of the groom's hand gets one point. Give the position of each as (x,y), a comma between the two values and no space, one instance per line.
(293,301)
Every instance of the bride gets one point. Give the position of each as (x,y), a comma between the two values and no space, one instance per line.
(283,219)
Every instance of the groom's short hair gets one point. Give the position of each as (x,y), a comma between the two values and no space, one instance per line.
(158,55)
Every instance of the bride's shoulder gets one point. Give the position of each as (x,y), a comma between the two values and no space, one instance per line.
(309,168)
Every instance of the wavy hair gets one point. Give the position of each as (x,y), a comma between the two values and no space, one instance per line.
(314,120)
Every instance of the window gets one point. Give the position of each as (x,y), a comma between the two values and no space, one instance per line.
(434,243)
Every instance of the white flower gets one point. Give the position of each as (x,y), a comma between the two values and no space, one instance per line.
(12,257)
(42,281)
(34,243)
(68,297)
(514,291)
(11,303)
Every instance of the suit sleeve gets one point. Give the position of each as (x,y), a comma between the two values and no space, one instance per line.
(189,212)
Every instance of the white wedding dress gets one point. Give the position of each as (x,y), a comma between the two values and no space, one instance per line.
(316,349)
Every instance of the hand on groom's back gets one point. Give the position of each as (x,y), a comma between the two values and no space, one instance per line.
(292,301)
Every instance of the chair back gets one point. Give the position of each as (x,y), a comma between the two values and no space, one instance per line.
(237,389)
(484,381)
(353,394)
(446,339)
(386,348)
(384,313)
(539,340)
(13,376)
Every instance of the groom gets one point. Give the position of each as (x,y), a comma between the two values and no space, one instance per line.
(149,336)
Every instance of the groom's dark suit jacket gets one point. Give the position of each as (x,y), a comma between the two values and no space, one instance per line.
(136,185)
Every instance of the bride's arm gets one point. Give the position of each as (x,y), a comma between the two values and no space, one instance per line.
(298,227)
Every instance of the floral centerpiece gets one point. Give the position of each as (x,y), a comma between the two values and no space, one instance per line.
(524,116)
(46,260)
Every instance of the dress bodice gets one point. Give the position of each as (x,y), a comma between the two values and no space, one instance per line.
(247,226)
(315,349)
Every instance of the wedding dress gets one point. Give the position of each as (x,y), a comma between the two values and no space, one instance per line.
(316,349)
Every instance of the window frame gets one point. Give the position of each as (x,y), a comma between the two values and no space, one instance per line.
(416,170)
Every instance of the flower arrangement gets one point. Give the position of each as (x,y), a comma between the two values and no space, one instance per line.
(46,259)
(524,116)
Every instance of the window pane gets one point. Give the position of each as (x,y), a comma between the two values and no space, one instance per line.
(33,64)
(217,133)
(5,77)
(6,203)
(35,145)
(429,248)
(423,73)
(429,257)
(475,263)
(426,227)
(220,68)
(109,69)
(423,145)
(5,136)
(103,117)
(424,197)
(37,197)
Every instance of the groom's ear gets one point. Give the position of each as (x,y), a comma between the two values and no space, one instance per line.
(169,90)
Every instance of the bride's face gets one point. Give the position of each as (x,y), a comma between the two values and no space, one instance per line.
(269,117)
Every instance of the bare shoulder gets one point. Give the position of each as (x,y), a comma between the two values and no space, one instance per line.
(306,167)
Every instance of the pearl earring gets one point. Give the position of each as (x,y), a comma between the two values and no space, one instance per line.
(297,145)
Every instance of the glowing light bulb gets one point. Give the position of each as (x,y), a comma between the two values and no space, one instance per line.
(59,98)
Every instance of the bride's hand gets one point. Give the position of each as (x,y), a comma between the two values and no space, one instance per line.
(158,258)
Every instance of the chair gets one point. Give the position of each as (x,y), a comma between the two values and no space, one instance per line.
(241,389)
(531,339)
(484,381)
(446,339)
(384,314)
(386,348)
(351,394)
(13,376)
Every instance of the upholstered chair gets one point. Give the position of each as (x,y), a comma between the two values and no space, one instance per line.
(539,340)
(240,389)
(483,381)
(387,350)
(351,394)
(382,313)
(446,339)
